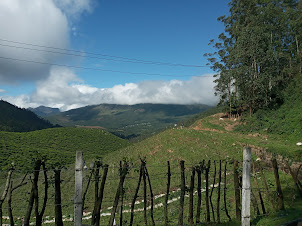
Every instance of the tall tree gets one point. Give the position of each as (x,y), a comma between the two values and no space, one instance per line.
(255,52)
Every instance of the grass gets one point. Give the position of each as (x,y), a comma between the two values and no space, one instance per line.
(205,139)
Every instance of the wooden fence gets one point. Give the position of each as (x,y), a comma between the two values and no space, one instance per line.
(216,178)
(212,191)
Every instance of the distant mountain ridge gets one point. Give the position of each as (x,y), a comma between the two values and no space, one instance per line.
(44,111)
(15,119)
(128,121)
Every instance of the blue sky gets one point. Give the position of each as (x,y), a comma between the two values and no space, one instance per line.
(171,31)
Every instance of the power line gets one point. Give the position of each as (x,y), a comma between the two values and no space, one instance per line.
(95,55)
(95,69)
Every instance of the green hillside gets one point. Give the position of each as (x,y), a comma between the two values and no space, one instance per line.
(56,142)
(16,119)
(285,120)
(128,121)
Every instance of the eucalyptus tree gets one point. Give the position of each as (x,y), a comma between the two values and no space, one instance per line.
(253,54)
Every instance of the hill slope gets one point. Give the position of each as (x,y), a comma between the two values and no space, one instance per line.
(128,120)
(15,119)
(286,120)
(57,141)
(44,111)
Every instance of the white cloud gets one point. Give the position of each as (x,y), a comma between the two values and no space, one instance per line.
(2,91)
(74,8)
(41,22)
(64,90)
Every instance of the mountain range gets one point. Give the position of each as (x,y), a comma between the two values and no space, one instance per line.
(127,121)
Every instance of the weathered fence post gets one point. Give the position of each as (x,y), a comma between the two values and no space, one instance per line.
(224,191)
(211,194)
(123,173)
(259,192)
(236,189)
(167,194)
(136,192)
(199,169)
(151,195)
(78,189)
(145,194)
(280,203)
(207,169)
(190,219)
(182,193)
(246,187)
(218,193)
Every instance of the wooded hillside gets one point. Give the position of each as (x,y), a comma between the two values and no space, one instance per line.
(14,119)
(259,53)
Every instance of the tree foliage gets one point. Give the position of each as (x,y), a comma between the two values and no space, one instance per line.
(258,54)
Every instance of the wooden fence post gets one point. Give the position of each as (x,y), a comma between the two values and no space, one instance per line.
(224,191)
(123,173)
(182,193)
(280,203)
(199,169)
(136,192)
(237,191)
(167,194)
(207,169)
(78,189)
(218,193)
(246,187)
(191,208)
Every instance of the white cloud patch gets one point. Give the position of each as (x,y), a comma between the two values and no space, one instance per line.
(74,8)
(2,91)
(64,90)
(41,22)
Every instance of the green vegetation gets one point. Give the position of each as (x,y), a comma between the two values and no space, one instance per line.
(57,142)
(206,139)
(15,119)
(259,54)
(286,120)
(128,121)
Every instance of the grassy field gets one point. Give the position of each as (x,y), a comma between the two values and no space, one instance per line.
(206,139)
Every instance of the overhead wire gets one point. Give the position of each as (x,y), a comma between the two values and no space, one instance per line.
(95,55)
(98,69)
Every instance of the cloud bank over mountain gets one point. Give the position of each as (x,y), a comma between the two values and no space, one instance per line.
(64,90)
